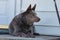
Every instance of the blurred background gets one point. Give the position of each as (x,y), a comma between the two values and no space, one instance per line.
(45,9)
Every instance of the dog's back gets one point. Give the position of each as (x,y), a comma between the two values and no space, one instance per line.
(13,23)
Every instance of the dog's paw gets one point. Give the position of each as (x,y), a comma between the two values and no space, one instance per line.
(20,34)
(29,35)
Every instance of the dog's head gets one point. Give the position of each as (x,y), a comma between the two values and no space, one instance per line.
(30,15)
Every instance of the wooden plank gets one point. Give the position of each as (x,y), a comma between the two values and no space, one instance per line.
(4,26)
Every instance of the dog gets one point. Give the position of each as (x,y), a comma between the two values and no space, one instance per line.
(22,24)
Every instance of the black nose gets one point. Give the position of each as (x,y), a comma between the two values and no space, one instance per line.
(39,19)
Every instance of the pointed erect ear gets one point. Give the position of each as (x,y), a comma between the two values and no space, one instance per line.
(29,8)
(34,7)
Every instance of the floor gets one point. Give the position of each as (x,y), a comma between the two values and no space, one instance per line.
(8,37)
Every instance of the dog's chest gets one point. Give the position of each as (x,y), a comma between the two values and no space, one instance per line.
(26,29)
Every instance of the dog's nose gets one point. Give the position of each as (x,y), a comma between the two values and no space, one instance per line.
(39,19)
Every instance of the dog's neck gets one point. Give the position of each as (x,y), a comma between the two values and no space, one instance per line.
(25,24)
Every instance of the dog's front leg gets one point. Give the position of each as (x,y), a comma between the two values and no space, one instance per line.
(34,32)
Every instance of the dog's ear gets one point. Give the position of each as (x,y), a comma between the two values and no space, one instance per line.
(34,7)
(29,8)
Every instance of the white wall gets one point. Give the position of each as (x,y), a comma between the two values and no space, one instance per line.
(6,11)
(48,30)
(45,10)
(42,5)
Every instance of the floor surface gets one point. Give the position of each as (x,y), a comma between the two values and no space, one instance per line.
(9,37)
